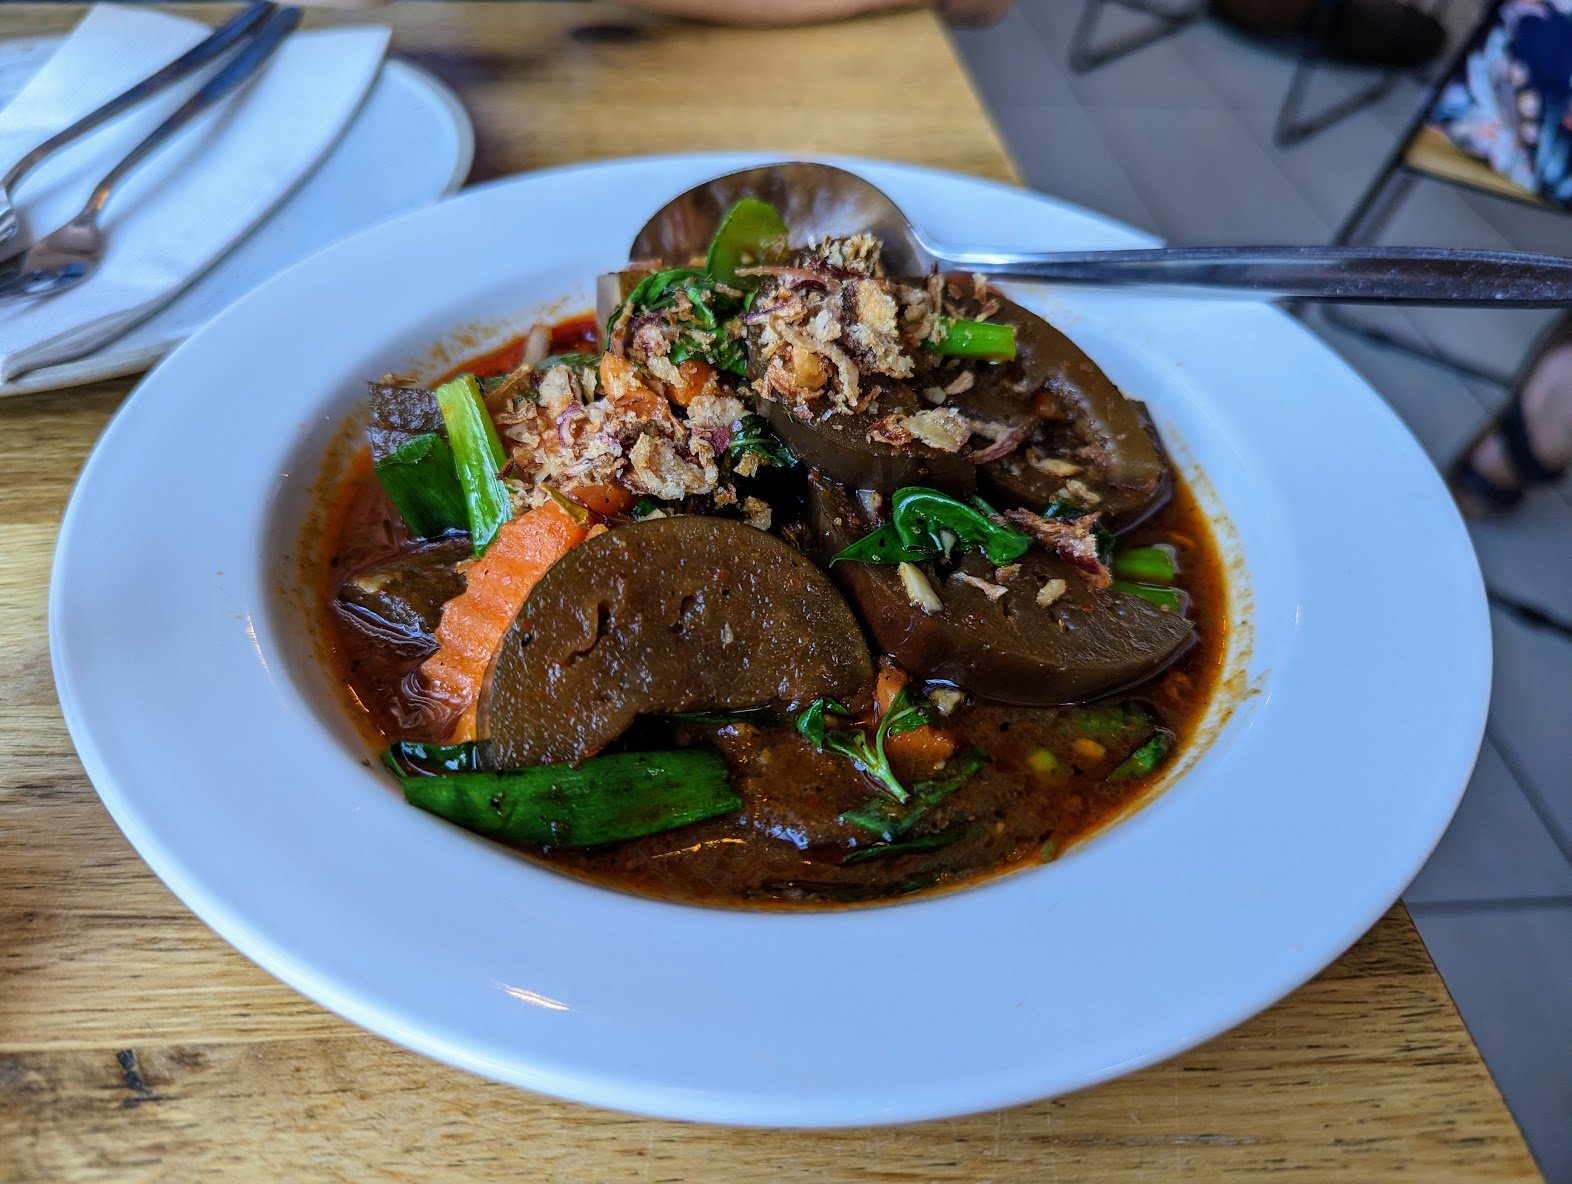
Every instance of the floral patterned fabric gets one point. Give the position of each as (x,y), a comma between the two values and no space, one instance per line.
(1510,101)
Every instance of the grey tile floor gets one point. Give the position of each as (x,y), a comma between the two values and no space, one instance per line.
(1176,138)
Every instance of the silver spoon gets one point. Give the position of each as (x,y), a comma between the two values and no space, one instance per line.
(199,55)
(819,200)
(67,256)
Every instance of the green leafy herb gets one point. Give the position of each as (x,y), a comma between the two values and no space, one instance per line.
(1151,565)
(1103,539)
(922,516)
(644,507)
(890,821)
(708,310)
(751,233)
(1048,852)
(412,758)
(881,546)
(477,457)
(606,799)
(724,352)
(983,340)
(915,846)
(903,714)
(1143,762)
(920,521)
(753,436)
(420,478)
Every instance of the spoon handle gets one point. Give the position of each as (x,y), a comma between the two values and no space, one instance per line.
(1402,275)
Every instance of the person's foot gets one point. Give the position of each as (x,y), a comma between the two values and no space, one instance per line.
(1528,444)
(1366,32)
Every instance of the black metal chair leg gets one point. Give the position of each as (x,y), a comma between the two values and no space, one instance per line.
(1084,55)
(1375,209)
(1338,315)
(1292,126)
(1293,129)
(1365,224)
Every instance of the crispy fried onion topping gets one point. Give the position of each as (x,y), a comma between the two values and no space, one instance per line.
(1071,540)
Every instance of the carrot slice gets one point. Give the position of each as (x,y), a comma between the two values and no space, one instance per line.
(604,499)
(926,744)
(698,378)
(475,621)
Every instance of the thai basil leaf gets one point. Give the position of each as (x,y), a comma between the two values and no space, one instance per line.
(882,817)
(753,435)
(920,518)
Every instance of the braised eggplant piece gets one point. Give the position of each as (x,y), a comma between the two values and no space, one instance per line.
(400,599)
(400,411)
(1017,646)
(1075,425)
(666,615)
(839,448)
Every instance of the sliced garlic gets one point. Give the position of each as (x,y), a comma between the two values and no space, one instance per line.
(918,590)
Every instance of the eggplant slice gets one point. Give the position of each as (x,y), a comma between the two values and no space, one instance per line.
(1084,421)
(838,446)
(667,615)
(399,600)
(1011,649)
(400,411)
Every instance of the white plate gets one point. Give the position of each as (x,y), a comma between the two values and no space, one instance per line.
(205,720)
(409,144)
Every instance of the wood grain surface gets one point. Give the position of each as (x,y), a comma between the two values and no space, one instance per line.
(137,1046)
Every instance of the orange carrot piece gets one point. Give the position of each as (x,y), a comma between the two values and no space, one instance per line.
(625,389)
(475,621)
(698,377)
(604,499)
(925,744)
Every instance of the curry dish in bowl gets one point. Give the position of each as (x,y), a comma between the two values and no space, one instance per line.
(778,581)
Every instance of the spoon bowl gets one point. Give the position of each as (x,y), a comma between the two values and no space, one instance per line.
(817,201)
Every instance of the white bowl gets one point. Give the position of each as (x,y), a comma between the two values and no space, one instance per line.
(207,723)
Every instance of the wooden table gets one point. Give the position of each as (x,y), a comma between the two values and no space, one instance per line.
(135,1045)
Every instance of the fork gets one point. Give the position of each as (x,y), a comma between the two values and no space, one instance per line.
(68,255)
(194,58)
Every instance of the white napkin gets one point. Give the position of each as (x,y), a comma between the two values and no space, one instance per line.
(182,209)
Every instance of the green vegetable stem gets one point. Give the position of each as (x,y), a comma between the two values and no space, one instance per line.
(420,478)
(606,799)
(1143,762)
(1152,565)
(1174,600)
(983,340)
(478,458)
(903,715)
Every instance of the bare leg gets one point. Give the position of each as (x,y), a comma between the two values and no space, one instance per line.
(1547,414)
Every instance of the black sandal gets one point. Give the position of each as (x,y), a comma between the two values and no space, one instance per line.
(1528,469)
